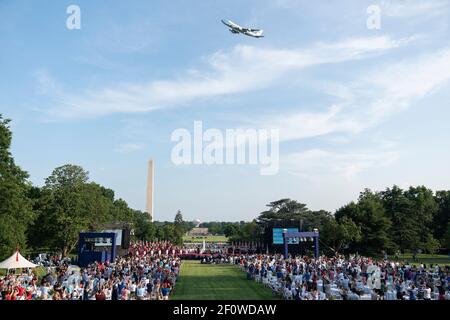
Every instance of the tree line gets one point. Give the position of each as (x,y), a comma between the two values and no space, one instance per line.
(52,216)
(394,220)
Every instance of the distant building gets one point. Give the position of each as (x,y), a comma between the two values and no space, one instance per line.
(198,232)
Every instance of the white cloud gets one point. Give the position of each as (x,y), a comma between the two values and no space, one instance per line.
(303,125)
(285,4)
(129,147)
(46,84)
(414,8)
(399,84)
(243,69)
(368,100)
(316,164)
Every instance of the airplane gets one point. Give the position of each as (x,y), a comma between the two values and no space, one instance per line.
(234,28)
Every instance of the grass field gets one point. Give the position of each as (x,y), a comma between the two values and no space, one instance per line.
(40,272)
(442,260)
(207,239)
(217,282)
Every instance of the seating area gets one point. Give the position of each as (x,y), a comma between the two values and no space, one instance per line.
(340,278)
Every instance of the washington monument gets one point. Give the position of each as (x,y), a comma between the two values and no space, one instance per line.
(150,190)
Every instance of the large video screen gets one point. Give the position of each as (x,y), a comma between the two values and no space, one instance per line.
(107,242)
(278,235)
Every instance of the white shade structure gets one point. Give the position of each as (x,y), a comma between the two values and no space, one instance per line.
(16,261)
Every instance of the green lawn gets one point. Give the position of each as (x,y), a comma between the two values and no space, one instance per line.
(217,282)
(442,260)
(207,239)
(40,272)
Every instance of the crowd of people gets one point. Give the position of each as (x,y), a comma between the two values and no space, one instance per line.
(340,278)
(148,272)
(151,269)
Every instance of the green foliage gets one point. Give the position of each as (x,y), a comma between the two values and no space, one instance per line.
(179,218)
(446,238)
(15,207)
(235,231)
(180,227)
(250,231)
(442,216)
(231,230)
(143,228)
(216,227)
(65,207)
(69,204)
(405,232)
(295,212)
(284,209)
(368,214)
(417,217)
(431,245)
(146,230)
(339,235)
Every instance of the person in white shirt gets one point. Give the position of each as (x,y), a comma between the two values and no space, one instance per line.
(427,293)
(293,291)
(390,294)
(141,292)
(287,293)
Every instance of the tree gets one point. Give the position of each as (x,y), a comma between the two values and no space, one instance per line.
(70,205)
(248,232)
(284,209)
(424,209)
(179,225)
(431,245)
(15,207)
(446,239)
(179,218)
(144,229)
(369,215)
(339,235)
(97,205)
(405,231)
(295,212)
(214,227)
(170,234)
(122,212)
(442,216)
(67,177)
(231,230)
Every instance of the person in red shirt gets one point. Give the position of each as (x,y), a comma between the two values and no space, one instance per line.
(8,295)
(29,295)
(100,295)
(20,291)
(14,294)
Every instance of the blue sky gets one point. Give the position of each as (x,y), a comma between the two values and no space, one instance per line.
(356,108)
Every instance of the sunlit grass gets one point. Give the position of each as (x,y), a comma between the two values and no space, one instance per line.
(217,282)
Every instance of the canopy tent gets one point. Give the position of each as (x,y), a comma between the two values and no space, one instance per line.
(16,261)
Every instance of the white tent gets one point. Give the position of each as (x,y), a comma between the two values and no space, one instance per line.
(16,261)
